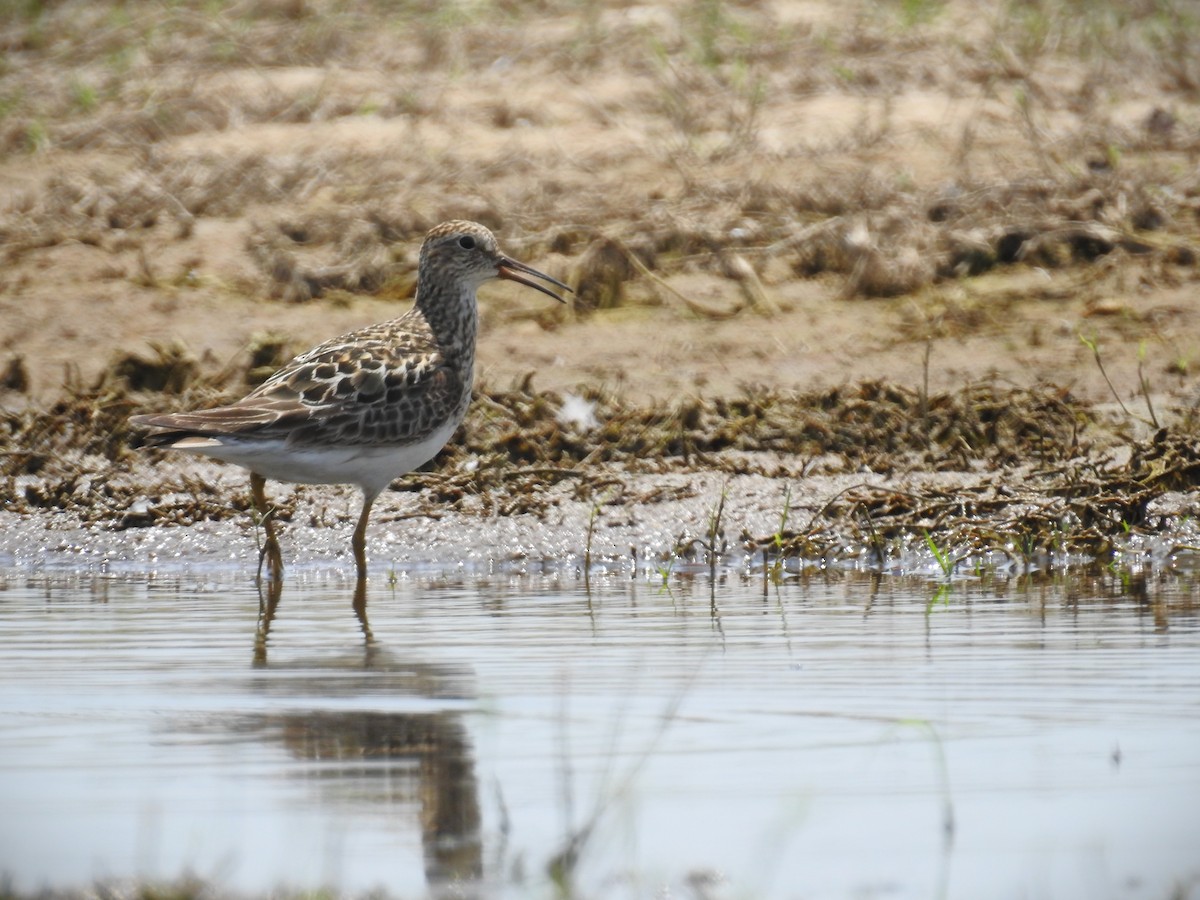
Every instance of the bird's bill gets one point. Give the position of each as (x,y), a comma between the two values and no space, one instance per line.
(512,270)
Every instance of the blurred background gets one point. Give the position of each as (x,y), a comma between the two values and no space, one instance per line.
(792,193)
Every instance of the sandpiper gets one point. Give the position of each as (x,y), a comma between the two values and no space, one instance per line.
(366,407)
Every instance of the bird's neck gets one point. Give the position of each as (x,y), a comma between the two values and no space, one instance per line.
(452,315)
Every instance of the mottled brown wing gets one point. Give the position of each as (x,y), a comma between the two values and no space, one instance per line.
(361,395)
(386,385)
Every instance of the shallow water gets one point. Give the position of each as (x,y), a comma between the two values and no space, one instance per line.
(835,736)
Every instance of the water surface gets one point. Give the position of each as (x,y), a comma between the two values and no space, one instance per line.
(831,736)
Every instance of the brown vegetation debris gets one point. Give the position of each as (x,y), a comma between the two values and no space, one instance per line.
(1082,507)
(15,375)
(1169,462)
(601,275)
(170,370)
(913,240)
(1031,484)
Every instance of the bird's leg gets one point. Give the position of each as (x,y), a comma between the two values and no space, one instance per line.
(360,535)
(270,550)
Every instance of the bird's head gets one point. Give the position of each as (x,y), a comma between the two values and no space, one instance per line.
(467,252)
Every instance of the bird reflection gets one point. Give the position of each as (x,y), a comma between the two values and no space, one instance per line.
(268,604)
(402,758)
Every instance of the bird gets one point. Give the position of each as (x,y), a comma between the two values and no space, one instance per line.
(368,406)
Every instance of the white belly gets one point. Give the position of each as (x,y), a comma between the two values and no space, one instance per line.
(370,467)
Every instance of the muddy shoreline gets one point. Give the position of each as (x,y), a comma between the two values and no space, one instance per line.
(872,476)
(664,538)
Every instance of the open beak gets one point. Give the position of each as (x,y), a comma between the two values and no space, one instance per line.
(512,270)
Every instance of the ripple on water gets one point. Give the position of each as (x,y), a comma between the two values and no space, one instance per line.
(153,726)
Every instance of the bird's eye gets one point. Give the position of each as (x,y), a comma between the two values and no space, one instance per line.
(466,242)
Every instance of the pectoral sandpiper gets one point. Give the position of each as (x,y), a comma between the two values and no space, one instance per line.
(366,407)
